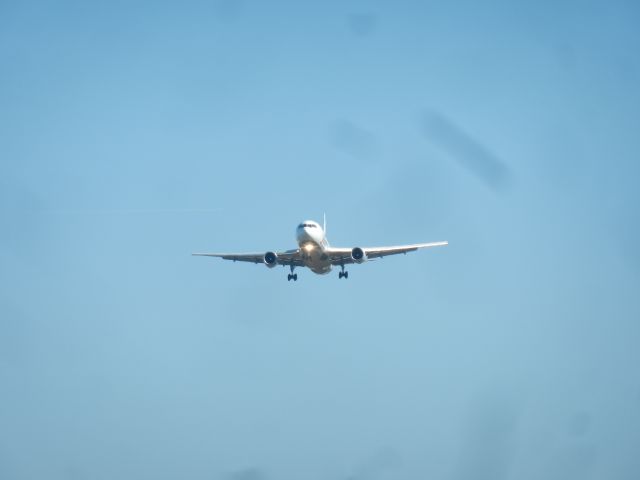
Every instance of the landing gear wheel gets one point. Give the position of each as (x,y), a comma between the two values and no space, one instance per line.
(343,274)
(292,276)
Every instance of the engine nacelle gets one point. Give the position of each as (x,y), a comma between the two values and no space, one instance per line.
(270,259)
(358,255)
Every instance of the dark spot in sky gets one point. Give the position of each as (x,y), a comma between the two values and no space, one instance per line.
(251,473)
(362,24)
(579,424)
(488,449)
(228,9)
(576,461)
(468,152)
(566,54)
(75,473)
(628,231)
(382,460)
(24,225)
(17,335)
(353,140)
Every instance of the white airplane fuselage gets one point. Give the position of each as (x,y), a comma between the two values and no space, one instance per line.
(312,241)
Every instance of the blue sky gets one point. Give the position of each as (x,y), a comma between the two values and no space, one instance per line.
(132,135)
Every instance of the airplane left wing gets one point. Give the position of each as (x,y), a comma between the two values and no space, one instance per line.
(343,256)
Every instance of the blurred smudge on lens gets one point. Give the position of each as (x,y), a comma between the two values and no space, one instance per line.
(228,9)
(362,24)
(382,460)
(468,152)
(488,449)
(251,473)
(576,461)
(579,424)
(353,140)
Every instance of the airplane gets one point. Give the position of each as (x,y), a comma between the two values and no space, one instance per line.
(315,253)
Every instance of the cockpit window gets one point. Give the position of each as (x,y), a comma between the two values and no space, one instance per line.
(307,225)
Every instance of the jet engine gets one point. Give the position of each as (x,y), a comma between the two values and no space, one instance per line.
(270,259)
(358,255)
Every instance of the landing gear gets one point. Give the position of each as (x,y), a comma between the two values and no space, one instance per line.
(292,276)
(343,274)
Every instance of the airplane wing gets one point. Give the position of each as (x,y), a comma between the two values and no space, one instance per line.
(289,257)
(342,256)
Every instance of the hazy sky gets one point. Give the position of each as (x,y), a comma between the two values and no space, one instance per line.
(133,133)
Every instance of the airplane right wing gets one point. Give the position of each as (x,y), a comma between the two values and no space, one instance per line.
(379,252)
(340,256)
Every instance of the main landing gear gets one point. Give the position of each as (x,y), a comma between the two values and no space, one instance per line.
(342,273)
(292,276)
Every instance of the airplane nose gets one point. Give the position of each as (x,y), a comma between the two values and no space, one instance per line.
(303,234)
